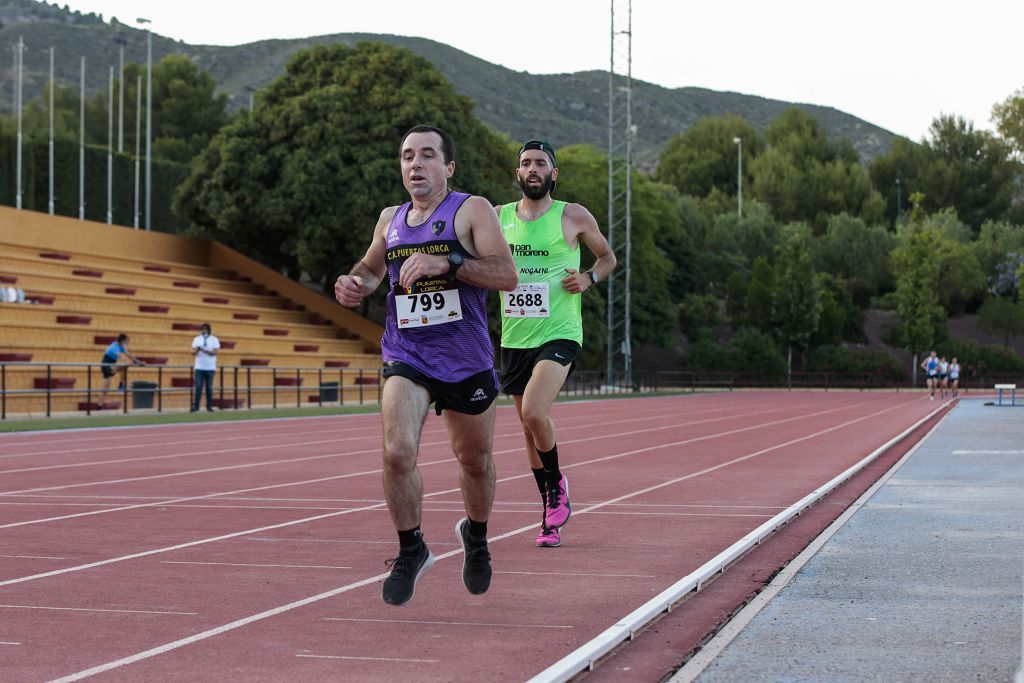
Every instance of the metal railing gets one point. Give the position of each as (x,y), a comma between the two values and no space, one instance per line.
(160,387)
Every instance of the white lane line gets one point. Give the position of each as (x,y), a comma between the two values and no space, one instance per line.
(330,540)
(135,445)
(447,623)
(363,659)
(7,642)
(241,564)
(375,435)
(182,642)
(92,609)
(984,452)
(603,576)
(379,506)
(375,425)
(263,425)
(177,505)
(375,471)
(32,557)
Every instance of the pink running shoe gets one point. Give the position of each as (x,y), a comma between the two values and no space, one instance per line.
(557,508)
(548,538)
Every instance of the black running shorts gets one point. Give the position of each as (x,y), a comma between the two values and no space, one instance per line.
(471,396)
(517,364)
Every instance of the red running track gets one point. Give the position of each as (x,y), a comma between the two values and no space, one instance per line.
(255,550)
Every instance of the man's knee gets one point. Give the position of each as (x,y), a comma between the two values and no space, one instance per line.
(399,457)
(535,420)
(474,461)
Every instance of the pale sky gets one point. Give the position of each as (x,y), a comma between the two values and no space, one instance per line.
(897,64)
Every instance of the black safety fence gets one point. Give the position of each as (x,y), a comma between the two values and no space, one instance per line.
(36,389)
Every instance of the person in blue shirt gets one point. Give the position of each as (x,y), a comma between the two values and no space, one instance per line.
(931,367)
(111,357)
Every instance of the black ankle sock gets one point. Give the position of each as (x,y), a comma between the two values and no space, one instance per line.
(410,538)
(550,461)
(477,531)
(542,480)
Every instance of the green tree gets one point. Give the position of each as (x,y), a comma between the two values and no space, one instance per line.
(698,313)
(705,155)
(804,177)
(1001,316)
(858,254)
(1008,116)
(958,167)
(733,242)
(187,112)
(300,182)
(917,299)
(796,300)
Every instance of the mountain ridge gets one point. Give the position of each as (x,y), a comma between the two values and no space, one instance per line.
(568,108)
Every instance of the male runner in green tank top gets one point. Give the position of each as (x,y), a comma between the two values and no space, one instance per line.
(541,323)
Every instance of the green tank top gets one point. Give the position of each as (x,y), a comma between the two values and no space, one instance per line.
(541,257)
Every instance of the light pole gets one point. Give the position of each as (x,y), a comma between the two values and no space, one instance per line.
(21,70)
(120,40)
(898,203)
(110,149)
(252,97)
(738,141)
(81,148)
(138,142)
(51,207)
(149,123)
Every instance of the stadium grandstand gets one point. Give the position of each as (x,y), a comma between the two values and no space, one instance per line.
(70,287)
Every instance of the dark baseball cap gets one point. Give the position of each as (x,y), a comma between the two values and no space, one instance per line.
(542,145)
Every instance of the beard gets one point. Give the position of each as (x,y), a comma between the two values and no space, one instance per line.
(537,191)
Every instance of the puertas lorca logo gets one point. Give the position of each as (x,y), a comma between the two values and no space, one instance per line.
(437,227)
(479,395)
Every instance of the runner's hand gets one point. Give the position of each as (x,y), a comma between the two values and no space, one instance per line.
(419,266)
(576,282)
(348,290)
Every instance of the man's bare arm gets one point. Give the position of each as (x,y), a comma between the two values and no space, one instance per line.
(367,273)
(605,262)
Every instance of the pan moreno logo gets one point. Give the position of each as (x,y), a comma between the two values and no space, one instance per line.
(527,250)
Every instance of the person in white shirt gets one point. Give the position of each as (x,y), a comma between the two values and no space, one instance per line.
(204,348)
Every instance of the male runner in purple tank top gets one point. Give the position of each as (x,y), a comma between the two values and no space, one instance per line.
(441,252)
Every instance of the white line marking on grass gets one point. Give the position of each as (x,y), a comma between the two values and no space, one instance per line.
(91,609)
(365,659)
(242,564)
(167,647)
(446,623)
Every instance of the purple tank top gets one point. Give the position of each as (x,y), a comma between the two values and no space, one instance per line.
(448,352)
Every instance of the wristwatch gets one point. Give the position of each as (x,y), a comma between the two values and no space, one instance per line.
(593,277)
(455,262)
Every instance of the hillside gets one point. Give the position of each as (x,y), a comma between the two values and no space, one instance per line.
(566,108)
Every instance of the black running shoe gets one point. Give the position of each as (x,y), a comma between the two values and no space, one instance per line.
(476,565)
(406,570)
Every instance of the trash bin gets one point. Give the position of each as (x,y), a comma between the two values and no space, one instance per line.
(329,392)
(142,394)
